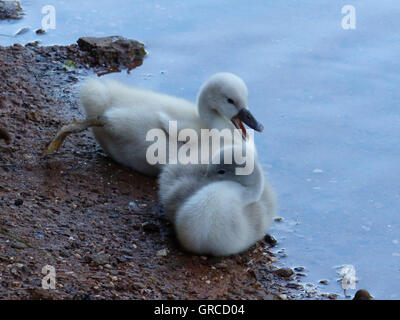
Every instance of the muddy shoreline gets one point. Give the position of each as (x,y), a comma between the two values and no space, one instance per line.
(99,224)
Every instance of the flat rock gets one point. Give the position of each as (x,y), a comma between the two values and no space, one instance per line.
(113,52)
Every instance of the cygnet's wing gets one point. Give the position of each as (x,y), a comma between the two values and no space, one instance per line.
(260,214)
(177,182)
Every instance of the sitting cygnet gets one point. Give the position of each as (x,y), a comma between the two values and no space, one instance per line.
(214,210)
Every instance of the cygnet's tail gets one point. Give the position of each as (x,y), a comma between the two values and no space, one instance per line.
(95,97)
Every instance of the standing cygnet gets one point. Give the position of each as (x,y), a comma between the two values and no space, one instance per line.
(122,116)
(214,210)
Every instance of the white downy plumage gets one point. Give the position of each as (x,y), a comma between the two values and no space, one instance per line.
(214,210)
(129,113)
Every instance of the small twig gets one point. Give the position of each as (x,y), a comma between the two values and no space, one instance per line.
(8,234)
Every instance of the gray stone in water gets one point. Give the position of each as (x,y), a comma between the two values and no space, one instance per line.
(10,10)
(284,272)
(113,51)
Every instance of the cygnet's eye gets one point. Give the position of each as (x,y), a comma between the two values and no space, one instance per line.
(230,101)
(221,171)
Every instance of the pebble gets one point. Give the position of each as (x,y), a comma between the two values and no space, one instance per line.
(150,227)
(133,205)
(100,258)
(126,251)
(299,269)
(281,253)
(362,294)
(39,235)
(294,285)
(124,258)
(324,281)
(272,259)
(138,286)
(284,272)
(301,274)
(21,31)
(162,253)
(221,265)
(90,213)
(270,240)
(64,254)
(19,202)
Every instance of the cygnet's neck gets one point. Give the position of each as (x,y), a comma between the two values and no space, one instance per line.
(253,192)
(208,115)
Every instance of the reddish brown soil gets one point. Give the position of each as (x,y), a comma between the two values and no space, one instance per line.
(99,224)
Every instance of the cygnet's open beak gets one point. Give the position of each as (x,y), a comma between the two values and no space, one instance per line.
(244,116)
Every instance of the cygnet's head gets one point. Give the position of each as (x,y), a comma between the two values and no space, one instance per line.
(227,94)
(236,163)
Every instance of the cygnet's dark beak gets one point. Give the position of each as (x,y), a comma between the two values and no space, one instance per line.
(246,117)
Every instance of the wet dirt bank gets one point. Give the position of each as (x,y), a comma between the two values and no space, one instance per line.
(97,223)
